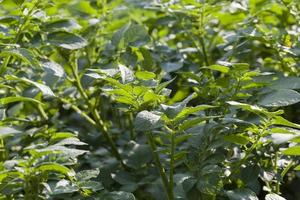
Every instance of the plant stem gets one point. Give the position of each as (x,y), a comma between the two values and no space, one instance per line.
(204,51)
(158,164)
(201,39)
(283,173)
(4,65)
(276,171)
(130,119)
(42,112)
(172,161)
(17,37)
(97,118)
(79,111)
(3,153)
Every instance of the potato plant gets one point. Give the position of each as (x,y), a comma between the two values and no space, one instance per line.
(149,100)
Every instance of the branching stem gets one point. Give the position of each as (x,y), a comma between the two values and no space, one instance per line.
(96,117)
(158,165)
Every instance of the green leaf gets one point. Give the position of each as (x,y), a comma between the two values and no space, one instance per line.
(163,85)
(66,40)
(286,83)
(190,110)
(7,100)
(292,151)
(274,197)
(43,88)
(297,168)
(91,185)
(120,195)
(56,69)
(58,149)
(147,62)
(278,120)
(280,138)
(136,35)
(87,7)
(70,141)
(19,2)
(281,135)
(21,53)
(127,75)
(171,66)
(138,156)
(283,97)
(63,24)
(172,111)
(62,135)
(237,139)
(7,131)
(146,121)
(240,194)
(189,123)
(145,75)
(87,174)
(131,34)
(63,187)
(219,68)
(54,167)
(124,178)
(251,108)
(210,184)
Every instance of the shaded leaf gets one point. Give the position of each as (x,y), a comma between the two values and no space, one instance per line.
(171,67)
(55,68)
(126,74)
(87,174)
(274,197)
(54,167)
(6,131)
(286,83)
(66,40)
(63,24)
(278,98)
(43,88)
(120,195)
(241,194)
(146,121)
(7,100)
(136,35)
(22,53)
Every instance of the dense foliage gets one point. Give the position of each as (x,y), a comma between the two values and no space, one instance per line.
(149,100)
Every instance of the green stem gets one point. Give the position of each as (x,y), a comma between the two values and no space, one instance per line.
(42,112)
(250,150)
(97,125)
(3,153)
(130,119)
(97,118)
(290,165)
(201,39)
(172,165)
(79,111)
(4,65)
(158,164)
(17,37)
(276,170)
(204,51)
